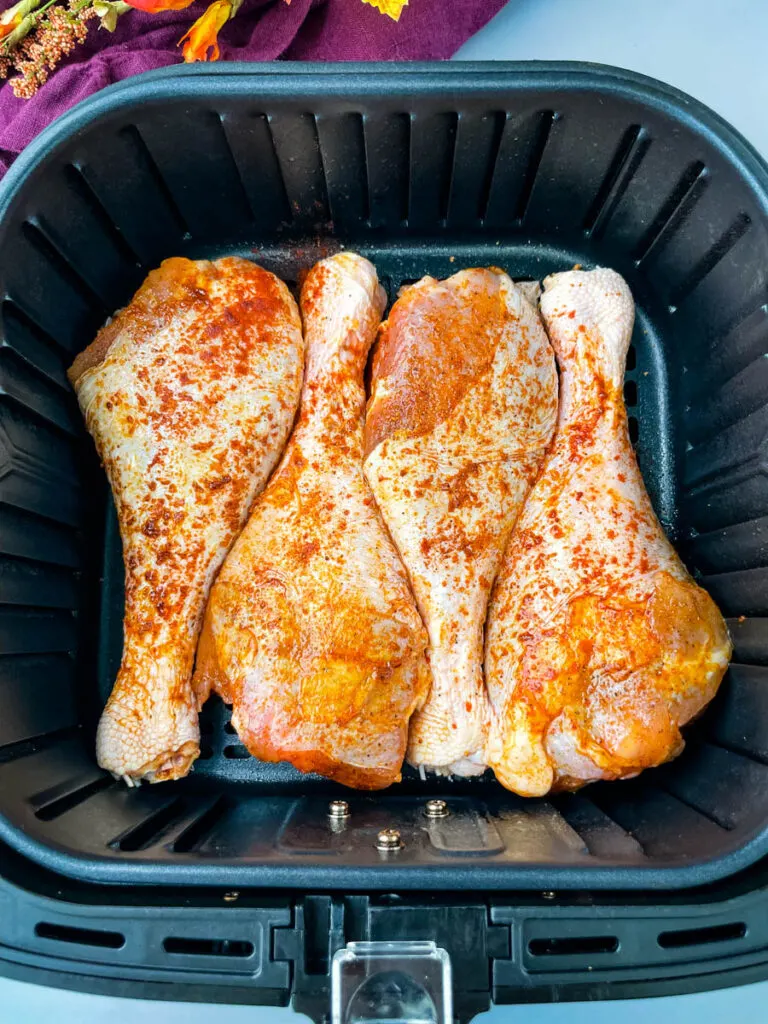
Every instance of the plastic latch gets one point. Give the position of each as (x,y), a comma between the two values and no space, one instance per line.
(406,982)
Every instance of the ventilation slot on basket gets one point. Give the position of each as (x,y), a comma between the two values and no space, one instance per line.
(582,945)
(202,827)
(208,947)
(499,120)
(682,200)
(388,177)
(630,394)
(631,358)
(206,745)
(631,150)
(710,259)
(702,936)
(79,936)
(236,752)
(47,249)
(147,162)
(25,384)
(31,343)
(543,131)
(14,751)
(433,154)
(54,809)
(235,176)
(149,830)
(297,148)
(77,181)
(449,164)
(342,155)
(634,429)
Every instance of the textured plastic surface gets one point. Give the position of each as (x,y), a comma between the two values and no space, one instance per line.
(401,982)
(425,170)
(250,947)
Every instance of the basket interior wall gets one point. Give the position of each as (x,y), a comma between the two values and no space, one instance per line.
(530,178)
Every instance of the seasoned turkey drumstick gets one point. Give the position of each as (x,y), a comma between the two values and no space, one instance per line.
(189,394)
(463,405)
(600,646)
(311,632)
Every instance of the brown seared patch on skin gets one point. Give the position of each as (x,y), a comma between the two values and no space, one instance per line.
(96,352)
(435,345)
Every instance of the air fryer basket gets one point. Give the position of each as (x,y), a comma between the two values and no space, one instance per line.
(424,170)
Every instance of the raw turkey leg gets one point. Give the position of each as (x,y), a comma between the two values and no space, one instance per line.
(599,644)
(189,394)
(311,631)
(463,405)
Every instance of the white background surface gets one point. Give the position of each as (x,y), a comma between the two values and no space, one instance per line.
(718,52)
(30,1004)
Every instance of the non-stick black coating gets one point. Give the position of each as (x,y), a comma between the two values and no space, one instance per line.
(425,169)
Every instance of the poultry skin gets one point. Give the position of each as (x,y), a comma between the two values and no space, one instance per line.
(599,644)
(463,405)
(189,393)
(311,631)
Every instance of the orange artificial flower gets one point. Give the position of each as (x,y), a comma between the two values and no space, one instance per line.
(6,27)
(202,37)
(13,17)
(155,6)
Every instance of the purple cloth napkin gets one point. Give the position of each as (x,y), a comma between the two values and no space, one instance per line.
(320,30)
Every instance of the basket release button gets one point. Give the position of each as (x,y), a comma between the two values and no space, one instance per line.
(405,982)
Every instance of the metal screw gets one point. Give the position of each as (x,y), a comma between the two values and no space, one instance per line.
(230,897)
(338,809)
(436,809)
(388,839)
(549,895)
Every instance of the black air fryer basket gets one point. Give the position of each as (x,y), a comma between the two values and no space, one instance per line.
(424,169)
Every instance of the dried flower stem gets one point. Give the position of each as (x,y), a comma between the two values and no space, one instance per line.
(35,39)
(54,38)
